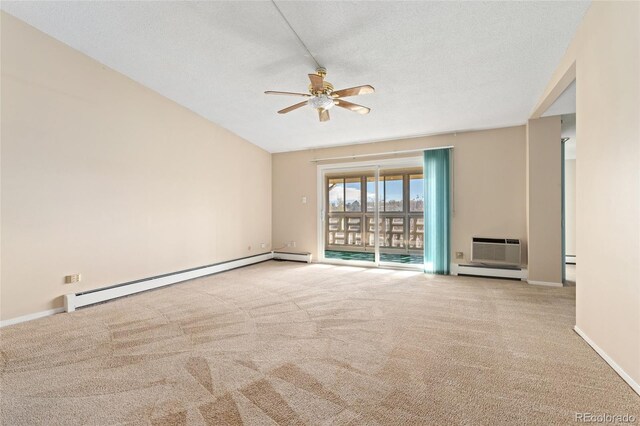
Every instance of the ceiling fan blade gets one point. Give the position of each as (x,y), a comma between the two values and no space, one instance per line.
(324,114)
(292,107)
(272,92)
(353,107)
(316,82)
(353,91)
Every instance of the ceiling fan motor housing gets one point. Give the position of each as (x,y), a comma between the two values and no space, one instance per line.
(327,88)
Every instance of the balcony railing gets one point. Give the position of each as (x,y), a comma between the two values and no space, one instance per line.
(353,231)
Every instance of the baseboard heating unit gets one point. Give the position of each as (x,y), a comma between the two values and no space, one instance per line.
(296,257)
(91,297)
(493,271)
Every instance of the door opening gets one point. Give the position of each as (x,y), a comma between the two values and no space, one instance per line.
(372,215)
(569,161)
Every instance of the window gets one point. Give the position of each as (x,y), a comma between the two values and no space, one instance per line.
(416,193)
(371,194)
(350,218)
(353,194)
(393,193)
(336,195)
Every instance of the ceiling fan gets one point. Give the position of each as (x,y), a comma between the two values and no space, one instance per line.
(322,97)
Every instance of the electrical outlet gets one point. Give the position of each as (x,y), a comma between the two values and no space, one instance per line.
(304,200)
(263,245)
(459,255)
(70,279)
(293,243)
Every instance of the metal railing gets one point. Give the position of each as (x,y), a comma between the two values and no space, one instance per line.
(399,232)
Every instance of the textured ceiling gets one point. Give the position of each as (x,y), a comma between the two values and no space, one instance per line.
(436,66)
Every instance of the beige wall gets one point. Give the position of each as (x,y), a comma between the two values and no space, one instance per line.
(606,54)
(544,203)
(489,186)
(103,177)
(570,207)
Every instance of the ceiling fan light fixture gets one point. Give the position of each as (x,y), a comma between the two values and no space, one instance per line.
(322,97)
(321,102)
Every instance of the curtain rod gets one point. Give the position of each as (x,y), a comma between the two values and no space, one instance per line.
(378,154)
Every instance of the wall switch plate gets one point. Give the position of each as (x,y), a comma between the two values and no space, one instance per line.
(459,255)
(304,200)
(73,278)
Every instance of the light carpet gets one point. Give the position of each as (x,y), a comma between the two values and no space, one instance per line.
(286,343)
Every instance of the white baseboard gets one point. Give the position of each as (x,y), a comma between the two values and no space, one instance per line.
(545,283)
(77,300)
(90,297)
(634,385)
(482,271)
(30,317)
(296,257)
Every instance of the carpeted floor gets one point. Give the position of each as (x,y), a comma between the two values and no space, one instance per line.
(287,343)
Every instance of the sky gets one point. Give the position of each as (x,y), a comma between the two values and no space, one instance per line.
(393,191)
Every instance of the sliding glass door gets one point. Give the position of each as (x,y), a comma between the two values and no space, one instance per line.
(401,221)
(373,214)
(348,213)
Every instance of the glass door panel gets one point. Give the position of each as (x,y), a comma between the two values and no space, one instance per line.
(416,211)
(347,234)
(401,216)
(374,215)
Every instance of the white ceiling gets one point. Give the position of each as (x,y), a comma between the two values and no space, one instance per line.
(436,66)
(565,104)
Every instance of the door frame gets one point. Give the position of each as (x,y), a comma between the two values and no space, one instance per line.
(563,210)
(322,170)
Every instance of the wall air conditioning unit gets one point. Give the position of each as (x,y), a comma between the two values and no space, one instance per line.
(496,251)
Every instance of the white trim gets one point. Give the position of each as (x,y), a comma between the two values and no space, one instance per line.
(570,259)
(376,217)
(320,212)
(296,257)
(73,300)
(634,385)
(497,272)
(414,161)
(29,317)
(545,283)
(340,262)
(380,154)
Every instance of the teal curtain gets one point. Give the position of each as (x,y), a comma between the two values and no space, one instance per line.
(437,201)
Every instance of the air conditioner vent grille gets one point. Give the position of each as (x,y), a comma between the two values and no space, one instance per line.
(502,251)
